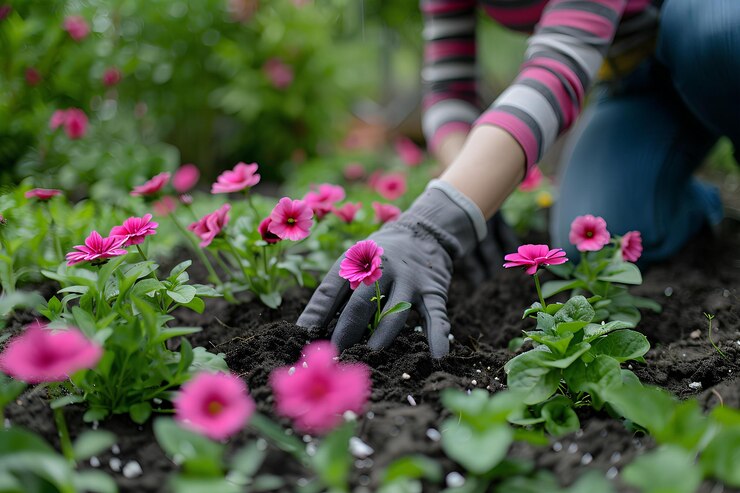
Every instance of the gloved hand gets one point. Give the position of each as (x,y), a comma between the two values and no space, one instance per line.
(487,258)
(420,247)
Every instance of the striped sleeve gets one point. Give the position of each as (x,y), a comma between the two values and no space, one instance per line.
(563,56)
(450,96)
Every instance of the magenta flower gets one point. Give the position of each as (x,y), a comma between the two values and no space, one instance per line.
(41,355)
(33,77)
(588,233)
(318,390)
(361,263)
(57,119)
(532,180)
(533,256)
(346,213)
(135,229)
(631,246)
(354,171)
(97,249)
(241,177)
(111,76)
(5,11)
(42,193)
(391,186)
(264,231)
(386,212)
(154,185)
(372,180)
(75,123)
(216,405)
(409,152)
(186,177)
(291,219)
(209,226)
(77,27)
(165,206)
(322,198)
(278,73)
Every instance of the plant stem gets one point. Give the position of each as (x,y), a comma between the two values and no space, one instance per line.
(138,248)
(198,251)
(264,263)
(709,333)
(238,259)
(539,290)
(53,232)
(377,312)
(251,206)
(64,439)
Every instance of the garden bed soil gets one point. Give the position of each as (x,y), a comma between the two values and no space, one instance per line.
(406,411)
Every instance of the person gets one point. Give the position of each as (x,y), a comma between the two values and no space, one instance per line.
(667,86)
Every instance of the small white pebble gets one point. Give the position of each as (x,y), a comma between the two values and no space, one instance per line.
(586,459)
(557,446)
(477,371)
(6,423)
(668,291)
(474,382)
(411,400)
(616,457)
(451,337)
(695,334)
(434,435)
(306,438)
(417,328)
(683,354)
(305,364)
(291,370)
(629,366)
(95,425)
(695,385)
(302,481)
(115,449)
(349,416)
(115,464)
(406,376)
(579,433)
(726,293)
(455,480)
(612,473)
(370,415)
(573,448)
(311,449)
(488,368)
(364,480)
(157,401)
(495,378)
(94,461)
(288,431)
(359,449)
(364,463)
(132,469)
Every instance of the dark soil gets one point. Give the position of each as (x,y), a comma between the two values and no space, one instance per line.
(405,411)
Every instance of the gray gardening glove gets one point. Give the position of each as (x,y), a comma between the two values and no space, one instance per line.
(420,247)
(487,258)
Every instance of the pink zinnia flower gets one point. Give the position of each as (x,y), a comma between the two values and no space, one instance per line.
(533,256)
(631,246)
(386,212)
(354,171)
(264,231)
(154,185)
(211,225)
(241,177)
(135,229)
(346,213)
(278,73)
(216,405)
(322,198)
(532,180)
(33,76)
(391,186)
(291,219)
(97,249)
(41,355)
(111,76)
(77,27)
(409,152)
(42,193)
(317,390)
(165,206)
(186,177)
(57,119)
(75,123)
(588,233)
(361,263)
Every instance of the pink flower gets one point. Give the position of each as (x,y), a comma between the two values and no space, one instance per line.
(631,246)
(135,229)
(409,152)
(347,212)
(186,177)
(111,76)
(186,199)
(211,225)
(77,27)
(588,233)
(216,405)
(386,212)
(33,76)
(372,180)
(75,124)
(241,177)
(3,221)
(322,200)
(97,249)
(354,171)
(361,263)
(57,119)
(278,72)
(318,390)
(154,185)
(42,193)
(165,206)
(291,219)
(41,355)
(5,11)
(264,231)
(533,256)
(391,186)
(532,180)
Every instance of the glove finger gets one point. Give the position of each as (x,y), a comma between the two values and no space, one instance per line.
(326,300)
(433,309)
(391,325)
(355,316)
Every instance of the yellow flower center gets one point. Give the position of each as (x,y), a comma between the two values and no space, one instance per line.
(291,220)
(214,407)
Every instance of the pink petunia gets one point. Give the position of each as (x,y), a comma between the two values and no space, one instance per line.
(154,185)
(354,171)
(532,180)
(77,27)
(317,390)
(410,153)
(135,229)
(165,206)
(42,193)
(279,73)
(185,178)
(386,212)
(75,123)
(33,77)
(241,177)
(588,233)
(216,405)
(264,231)
(533,256)
(111,76)
(361,263)
(631,246)
(372,180)
(391,186)
(323,197)
(97,249)
(291,219)
(57,119)
(41,355)
(5,11)
(211,225)
(346,213)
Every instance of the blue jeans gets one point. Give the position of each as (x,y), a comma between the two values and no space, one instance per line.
(631,157)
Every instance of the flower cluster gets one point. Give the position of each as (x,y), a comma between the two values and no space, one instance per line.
(74,121)
(98,250)
(589,234)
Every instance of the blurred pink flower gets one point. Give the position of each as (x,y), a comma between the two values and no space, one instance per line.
(42,193)
(75,124)
(154,185)
(532,180)
(278,72)
(386,212)
(41,355)
(3,221)
(346,213)
(165,206)
(242,10)
(361,264)
(216,405)
(211,225)
(241,177)
(533,256)
(135,229)
(77,27)
(410,153)
(97,249)
(33,76)
(111,76)
(264,231)
(631,246)
(5,11)
(372,180)
(588,233)
(354,171)
(57,119)
(391,186)
(323,197)
(185,178)
(185,199)
(291,219)
(317,390)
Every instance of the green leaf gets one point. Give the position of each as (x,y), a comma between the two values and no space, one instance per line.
(66,400)
(192,484)
(400,306)
(477,451)
(146,286)
(650,407)
(622,345)
(591,482)
(271,431)
(721,457)
(179,269)
(140,412)
(199,455)
(558,344)
(332,460)
(92,442)
(84,321)
(267,482)
(560,418)
(551,288)
(94,414)
(481,408)
(574,352)
(182,294)
(196,304)
(566,327)
(531,378)
(545,322)
(10,389)
(207,361)
(535,308)
(248,460)
(576,308)
(271,300)
(646,303)
(593,331)
(413,467)
(668,469)
(186,356)
(96,481)
(170,332)
(623,272)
